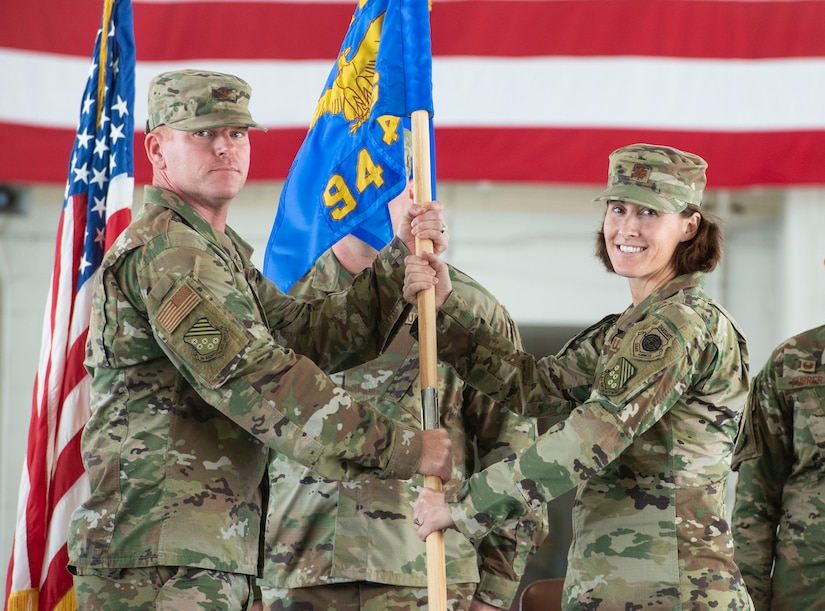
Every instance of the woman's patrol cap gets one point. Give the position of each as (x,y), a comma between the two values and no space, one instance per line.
(191,100)
(655,176)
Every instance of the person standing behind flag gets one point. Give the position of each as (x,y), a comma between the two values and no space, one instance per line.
(655,395)
(335,545)
(189,388)
(777,525)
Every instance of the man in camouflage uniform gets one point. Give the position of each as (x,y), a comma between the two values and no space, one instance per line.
(655,396)
(189,388)
(777,521)
(331,545)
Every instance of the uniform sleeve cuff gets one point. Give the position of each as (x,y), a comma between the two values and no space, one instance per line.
(496,591)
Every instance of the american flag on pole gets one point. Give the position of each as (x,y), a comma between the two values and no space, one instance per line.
(96,208)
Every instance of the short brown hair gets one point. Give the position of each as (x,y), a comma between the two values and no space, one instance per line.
(701,253)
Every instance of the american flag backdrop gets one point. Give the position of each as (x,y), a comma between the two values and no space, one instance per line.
(96,208)
(524,90)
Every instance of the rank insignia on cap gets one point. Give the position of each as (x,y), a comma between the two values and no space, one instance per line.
(614,380)
(640,173)
(650,344)
(226,94)
(205,338)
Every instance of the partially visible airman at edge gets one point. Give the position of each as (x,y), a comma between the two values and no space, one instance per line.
(778,524)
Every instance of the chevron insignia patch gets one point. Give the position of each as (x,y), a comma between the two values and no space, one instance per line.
(615,380)
(205,338)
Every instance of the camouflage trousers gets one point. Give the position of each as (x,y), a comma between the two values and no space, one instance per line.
(363,597)
(162,588)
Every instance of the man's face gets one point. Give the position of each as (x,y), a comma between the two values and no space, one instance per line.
(205,168)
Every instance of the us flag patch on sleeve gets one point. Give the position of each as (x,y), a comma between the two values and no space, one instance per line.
(178,306)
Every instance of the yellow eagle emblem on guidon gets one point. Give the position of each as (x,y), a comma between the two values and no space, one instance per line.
(355,89)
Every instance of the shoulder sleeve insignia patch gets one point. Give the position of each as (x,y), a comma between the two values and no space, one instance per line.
(649,344)
(205,338)
(614,380)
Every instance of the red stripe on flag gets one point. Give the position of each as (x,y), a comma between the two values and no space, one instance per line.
(535,154)
(115,225)
(43,159)
(58,581)
(37,469)
(74,372)
(33,26)
(70,467)
(676,28)
(271,29)
(510,28)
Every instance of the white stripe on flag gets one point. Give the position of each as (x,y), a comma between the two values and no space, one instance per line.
(592,92)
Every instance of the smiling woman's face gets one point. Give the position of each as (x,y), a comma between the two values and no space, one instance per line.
(641,241)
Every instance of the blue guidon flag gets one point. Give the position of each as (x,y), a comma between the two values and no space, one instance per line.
(352,161)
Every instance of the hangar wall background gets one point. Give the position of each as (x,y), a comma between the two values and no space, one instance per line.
(531,245)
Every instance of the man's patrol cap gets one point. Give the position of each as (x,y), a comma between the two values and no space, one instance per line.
(192,100)
(655,176)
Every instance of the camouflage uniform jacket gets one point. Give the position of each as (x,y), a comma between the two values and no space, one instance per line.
(189,387)
(656,396)
(320,532)
(780,492)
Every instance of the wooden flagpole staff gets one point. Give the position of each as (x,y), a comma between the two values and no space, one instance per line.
(428,356)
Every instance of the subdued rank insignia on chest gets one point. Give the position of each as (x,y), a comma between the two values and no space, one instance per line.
(650,344)
(205,338)
(615,380)
(807,366)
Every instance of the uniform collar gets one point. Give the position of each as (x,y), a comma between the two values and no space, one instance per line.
(167,199)
(667,290)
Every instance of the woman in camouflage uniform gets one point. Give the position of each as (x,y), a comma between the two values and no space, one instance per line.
(654,397)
